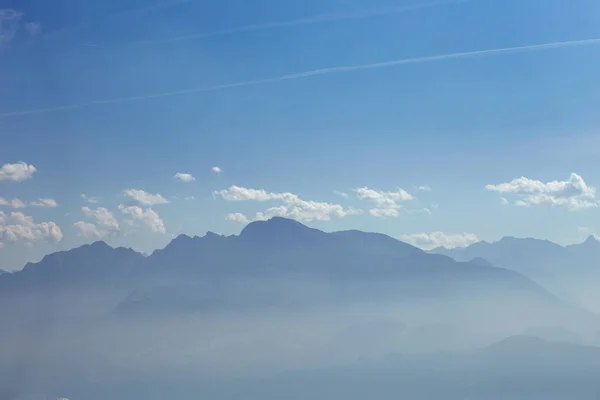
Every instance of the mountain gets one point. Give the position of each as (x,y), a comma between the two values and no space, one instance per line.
(287,250)
(92,264)
(533,257)
(588,251)
(567,271)
(277,263)
(276,295)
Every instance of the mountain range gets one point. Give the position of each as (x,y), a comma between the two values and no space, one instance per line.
(278,249)
(276,295)
(569,271)
(279,263)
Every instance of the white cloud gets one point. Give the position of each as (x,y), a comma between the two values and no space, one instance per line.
(573,193)
(104,218)
(237,193)
(386,203)
(145,198)
(17,172)
(183,177)
(383,212)
(148,217)
(428,241)
(237,217)
(47,203)
(87,229)
(18,226)
(105,223)
(216,170)
(89,199)
(341,194)
(424,188)
(292,205)
(189,198)
(14,203)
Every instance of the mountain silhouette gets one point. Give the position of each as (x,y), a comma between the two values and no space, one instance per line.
(274,263)
(533,257)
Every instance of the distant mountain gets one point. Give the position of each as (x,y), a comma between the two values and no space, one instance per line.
(275,263)
(567,271)
(93,264)
(533,257)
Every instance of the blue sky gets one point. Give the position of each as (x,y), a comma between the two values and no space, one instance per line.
(461,126)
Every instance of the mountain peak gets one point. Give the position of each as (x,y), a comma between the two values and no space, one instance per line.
(278,229)
(99,244)
(273,224)
(591,240)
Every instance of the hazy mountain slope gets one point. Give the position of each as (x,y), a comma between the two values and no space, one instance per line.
(566,271)
(517,368)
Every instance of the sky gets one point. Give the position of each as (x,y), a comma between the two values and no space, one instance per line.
(440,123)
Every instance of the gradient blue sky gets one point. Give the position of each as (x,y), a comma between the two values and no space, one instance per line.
(455,125)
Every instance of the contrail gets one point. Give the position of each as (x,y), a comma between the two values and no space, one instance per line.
(323,71)
(315,19)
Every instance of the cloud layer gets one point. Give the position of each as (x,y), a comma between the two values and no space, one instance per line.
(145,198)
(292,206)
(386,204)
(428,241)
(14,203)
(105,224)
(573,193)
(147,216)
(45,203)
(17,226)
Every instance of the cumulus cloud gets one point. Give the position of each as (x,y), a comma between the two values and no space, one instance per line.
(89,199)
(216,170)
(424,188)
(46,203)
(385,203)
(237,217)
(87,229)
(145,198)
(17,172)
(428,241)
(105,223)
(147,216)
(573,193)
(183,177)
(14,203)
(17,226)
(189,198)
(237,193)
(292,206)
